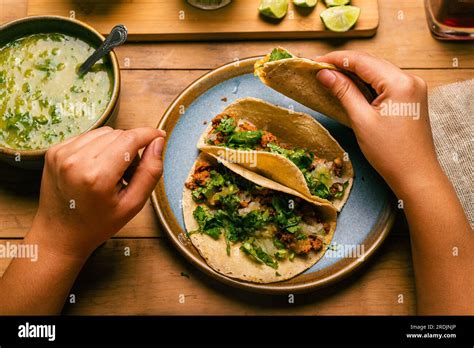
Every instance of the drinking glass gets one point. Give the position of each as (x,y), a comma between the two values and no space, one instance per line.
(451,19)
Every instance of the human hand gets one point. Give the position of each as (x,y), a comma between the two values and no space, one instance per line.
(400,147)
(83,201)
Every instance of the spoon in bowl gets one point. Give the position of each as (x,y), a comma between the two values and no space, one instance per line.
(116,37)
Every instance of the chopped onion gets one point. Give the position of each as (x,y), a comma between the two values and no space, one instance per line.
(316,229)
(251,207)
(267,245)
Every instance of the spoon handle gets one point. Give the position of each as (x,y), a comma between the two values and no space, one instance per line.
(117,36)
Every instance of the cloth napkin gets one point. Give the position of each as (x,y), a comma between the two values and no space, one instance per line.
(451,110)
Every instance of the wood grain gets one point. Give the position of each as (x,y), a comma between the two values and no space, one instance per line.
(177,20)
(149,281)
(403,38)
(145,97)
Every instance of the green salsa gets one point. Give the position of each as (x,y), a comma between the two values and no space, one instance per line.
(42,98)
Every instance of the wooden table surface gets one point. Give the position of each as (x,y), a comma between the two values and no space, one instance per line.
(155,279)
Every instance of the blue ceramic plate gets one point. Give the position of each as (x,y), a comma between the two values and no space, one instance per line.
(361,226)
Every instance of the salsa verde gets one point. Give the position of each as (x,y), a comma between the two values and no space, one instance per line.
(42,98)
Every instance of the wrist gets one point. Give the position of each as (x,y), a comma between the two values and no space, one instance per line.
(419,182)
(52,238)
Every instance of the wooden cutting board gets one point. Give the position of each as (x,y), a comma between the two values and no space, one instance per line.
(176,20)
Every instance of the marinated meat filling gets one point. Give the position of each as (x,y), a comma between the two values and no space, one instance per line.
(323,177)
(270,225)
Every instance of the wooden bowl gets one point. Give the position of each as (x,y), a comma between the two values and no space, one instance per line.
(33,159)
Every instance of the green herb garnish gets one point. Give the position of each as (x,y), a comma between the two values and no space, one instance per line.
(279,54)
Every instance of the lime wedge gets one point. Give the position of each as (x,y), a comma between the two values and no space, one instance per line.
(330,3)
(273,8)
(305,3)
(340,18)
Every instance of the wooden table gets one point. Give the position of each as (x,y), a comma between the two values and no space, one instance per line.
(154,279)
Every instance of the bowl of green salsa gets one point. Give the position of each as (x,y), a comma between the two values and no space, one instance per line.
(43,99)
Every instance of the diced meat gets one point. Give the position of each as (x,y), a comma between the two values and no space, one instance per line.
(315,163)
(201,174)
(316,243)
(337,166)
(327,227)
(216,120)
(201,177)
(216,138)
(191,185)
(306,245)
(286,238)
(244,204)
(202,166)
(300,247)
(336,188)
(267,138)
(246,126)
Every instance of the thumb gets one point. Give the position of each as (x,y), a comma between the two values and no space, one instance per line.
(146,176)
(346,91)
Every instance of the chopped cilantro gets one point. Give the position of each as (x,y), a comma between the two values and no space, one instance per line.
(322,191)
(220,215)
(285,216)
(246,139)
(227,125)
(279,54)
(259,255)
(339,194)
(301,157)
(207,222)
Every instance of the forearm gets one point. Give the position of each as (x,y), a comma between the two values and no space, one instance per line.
(38,287)
(442,245)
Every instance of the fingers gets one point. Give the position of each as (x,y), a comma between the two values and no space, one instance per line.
(130,171)
(145,177)
(86,138)
(120,152)
(369,68)
(72,145)
(347,92)
(94,148)
(83,137)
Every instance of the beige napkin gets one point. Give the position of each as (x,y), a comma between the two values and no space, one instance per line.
(452,120)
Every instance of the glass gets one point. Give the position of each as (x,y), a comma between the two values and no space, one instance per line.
(451,19)
(209,4)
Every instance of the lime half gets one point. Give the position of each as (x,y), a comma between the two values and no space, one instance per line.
(330,3)
(305,3)
(273,8)
(340,18)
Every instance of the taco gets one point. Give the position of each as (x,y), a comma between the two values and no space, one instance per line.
(288,147)
(296,78)
(250,228)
